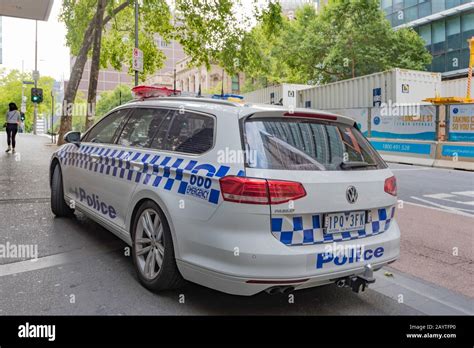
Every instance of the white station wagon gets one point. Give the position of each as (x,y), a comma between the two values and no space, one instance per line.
(236,197)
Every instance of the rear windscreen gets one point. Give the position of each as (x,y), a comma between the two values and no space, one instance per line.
(304,144)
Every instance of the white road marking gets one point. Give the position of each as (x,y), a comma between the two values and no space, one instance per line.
(51,260)
(449,197)
(464,193)
(440,207)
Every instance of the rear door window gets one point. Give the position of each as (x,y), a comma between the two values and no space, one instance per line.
(190,133)
(306,144)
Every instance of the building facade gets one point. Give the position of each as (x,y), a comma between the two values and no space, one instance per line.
(445,26)
(174,53)
(110,78)
(189,77)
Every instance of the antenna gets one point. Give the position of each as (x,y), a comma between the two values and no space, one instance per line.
(174,82)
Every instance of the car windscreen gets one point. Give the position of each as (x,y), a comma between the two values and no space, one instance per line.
(307,144)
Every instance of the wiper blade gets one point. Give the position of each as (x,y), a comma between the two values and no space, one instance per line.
(356,164)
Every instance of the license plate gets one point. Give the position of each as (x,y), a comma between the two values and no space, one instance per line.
(344,222)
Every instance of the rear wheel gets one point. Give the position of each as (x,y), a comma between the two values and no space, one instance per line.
(59,206)
(152,249)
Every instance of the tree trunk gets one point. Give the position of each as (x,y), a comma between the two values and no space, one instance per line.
(73,83)
(95,64)
(77,70)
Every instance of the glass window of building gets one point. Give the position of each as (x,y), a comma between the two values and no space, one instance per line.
(453,61)
(438,63)
(451,3)
(464,59)
(453,33)
(397,5)
(425,33)
(424,9)
(439,37)
(409,3)
(437,6)
(386,6)
(467,28)
(398,18)
(411,14)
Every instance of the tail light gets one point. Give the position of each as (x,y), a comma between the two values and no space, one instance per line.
(390,186)
(259,191)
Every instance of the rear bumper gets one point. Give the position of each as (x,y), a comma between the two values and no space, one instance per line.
(297,266)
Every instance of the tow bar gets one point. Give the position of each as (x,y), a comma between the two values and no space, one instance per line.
(358,283)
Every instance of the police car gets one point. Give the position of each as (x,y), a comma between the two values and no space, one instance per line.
(236,197)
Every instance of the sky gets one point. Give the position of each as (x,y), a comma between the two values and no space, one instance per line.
(19,45)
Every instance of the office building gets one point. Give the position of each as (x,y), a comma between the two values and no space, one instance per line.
(445,26)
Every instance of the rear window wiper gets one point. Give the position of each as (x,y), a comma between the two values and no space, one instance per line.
(356,164)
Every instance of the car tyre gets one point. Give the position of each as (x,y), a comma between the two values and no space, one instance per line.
(59,206)
(152,249)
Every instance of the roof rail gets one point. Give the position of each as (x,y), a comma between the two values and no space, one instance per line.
(193,99)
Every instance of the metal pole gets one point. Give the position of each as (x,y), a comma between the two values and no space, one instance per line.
(35,117)
(174,78)
(52,113)
(136,37)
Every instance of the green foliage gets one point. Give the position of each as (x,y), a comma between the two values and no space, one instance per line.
(10,91)
(118,37)
(110,99)
(346,39)
(208,31)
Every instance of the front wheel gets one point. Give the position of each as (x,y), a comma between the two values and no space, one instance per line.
(152,249)
(58,205)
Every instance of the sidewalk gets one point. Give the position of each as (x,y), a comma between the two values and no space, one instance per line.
(24,175)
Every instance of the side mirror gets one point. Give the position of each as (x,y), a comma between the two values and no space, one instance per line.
(73,138)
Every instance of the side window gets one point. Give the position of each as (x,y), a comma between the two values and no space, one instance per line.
(104,131)
(142,127)
(191,133)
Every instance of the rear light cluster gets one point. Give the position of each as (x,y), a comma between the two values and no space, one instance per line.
(259,191)
(390,186)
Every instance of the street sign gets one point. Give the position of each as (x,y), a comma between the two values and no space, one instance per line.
(137,60)
(36,75)
(28,83)
(23,108)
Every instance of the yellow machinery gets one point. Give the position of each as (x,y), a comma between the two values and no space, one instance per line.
(457,100)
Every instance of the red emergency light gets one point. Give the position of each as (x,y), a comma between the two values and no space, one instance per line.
(142,92)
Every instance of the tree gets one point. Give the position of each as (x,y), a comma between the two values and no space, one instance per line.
(95,62)
(205,29)
(72,15)
(110,99)
(10,91)
(346,39)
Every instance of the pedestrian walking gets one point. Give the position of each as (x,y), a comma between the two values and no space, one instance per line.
(13,119)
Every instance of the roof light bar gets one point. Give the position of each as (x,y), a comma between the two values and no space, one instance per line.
(143,92)
(229,97)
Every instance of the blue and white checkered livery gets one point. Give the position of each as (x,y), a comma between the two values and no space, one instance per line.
(308,229)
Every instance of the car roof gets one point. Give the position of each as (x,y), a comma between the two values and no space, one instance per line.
(234,109)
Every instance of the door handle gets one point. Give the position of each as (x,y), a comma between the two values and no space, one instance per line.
(95,157)
(136,165)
